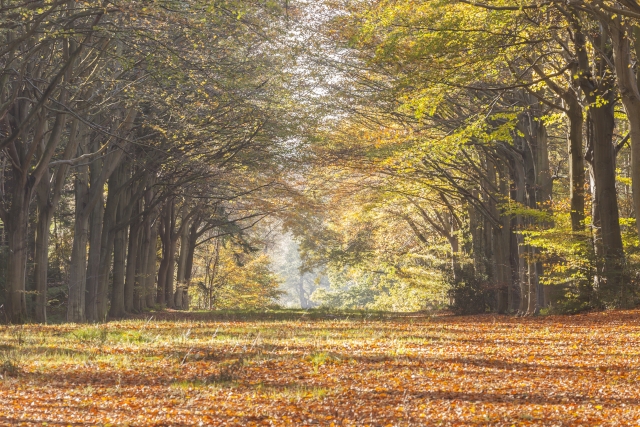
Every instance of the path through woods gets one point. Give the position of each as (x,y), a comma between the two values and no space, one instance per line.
(288,368)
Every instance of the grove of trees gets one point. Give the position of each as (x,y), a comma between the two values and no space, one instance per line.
(482,155)
(485,152)
(133,133)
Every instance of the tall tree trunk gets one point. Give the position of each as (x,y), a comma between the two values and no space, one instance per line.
(532,282)
(576,165)
(165,237)
(629,87)
(518,247)
(48,199)
(192,243)
(505,237)
(107,244)
(607,199)
(16,230)
(117,309)
(78,265)
(599,87)
(95,246)
(41,257)
(596,231)
(152,256)
(495,239)
(139,294)
(182,265)
(182,258)
(132,262)
(544,190)
(475,224)
(171,266)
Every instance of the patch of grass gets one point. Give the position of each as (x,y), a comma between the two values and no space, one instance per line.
(291,392)
(321,358)
(10,363)
(297,393)
(18,335)
(131,336)
(92,335)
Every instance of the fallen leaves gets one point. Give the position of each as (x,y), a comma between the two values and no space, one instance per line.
(579,370)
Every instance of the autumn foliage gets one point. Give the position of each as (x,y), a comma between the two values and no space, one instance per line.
(314,368)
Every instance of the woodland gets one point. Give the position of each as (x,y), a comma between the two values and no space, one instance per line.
(275,211)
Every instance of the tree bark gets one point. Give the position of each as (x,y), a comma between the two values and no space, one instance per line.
(140,289)
(117,290)
(576,165)
(95,246)
(603,122)
(182,258)
(78,267)
(628,86)
(544,189)
(165,237)
(16,230)
(117,309)
(150,279)
(41,256)
(599,87)
(132,262)
(107,244)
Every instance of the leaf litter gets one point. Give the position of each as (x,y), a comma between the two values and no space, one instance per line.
(402,371)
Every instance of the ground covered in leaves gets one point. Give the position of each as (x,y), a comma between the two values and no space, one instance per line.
(324,369)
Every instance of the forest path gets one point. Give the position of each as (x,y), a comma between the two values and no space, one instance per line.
(416,370)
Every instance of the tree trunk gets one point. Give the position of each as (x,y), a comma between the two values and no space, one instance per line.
(47,203)
(117,309)
(152,256)
(16,229)
(41,257)
(504,240)
(602,123)
(171,266)
(532,282)
(140,290)
(132,261)
(95,248)
(599,87)
(518,247)
(107,244)
(303,300)
(78,267)
(165,237)
(192,243)
(177,298)
(544,189)
(576,165)
(182,258)
(629,87)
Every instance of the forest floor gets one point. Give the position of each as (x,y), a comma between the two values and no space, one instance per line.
(297,368)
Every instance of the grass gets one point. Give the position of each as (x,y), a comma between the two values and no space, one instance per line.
(318,367)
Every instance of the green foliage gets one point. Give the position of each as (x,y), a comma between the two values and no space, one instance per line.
(349,288)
